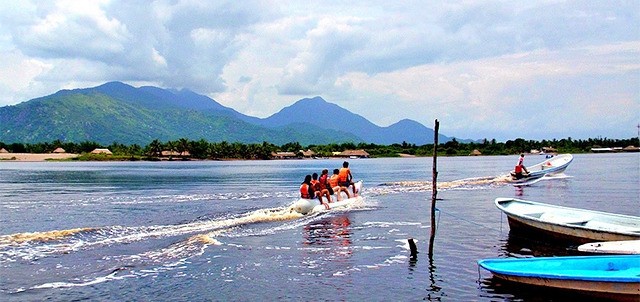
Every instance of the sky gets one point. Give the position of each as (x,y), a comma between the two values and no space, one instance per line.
(484,69)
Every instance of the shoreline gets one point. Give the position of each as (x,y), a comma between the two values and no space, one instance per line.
(35,157)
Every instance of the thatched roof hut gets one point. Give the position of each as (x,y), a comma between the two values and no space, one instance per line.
(475,152)
(169,153)
(283,155)
(59,150)
(631,148)
(3,150)
(101,151)
(309,153)
(354,153)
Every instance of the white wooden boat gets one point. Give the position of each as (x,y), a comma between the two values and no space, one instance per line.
(614,277)
(550,166)
(631,247)
(306,206)
(566,223)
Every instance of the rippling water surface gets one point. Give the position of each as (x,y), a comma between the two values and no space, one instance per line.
(203,231)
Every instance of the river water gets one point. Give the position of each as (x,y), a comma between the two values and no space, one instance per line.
(222,230)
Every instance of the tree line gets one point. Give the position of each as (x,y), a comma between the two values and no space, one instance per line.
(202,149)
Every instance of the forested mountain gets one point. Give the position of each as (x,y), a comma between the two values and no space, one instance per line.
(321,114)
(117,112)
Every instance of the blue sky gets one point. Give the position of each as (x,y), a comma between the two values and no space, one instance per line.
(484,69)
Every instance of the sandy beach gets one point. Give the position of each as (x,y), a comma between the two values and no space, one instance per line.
(35,156)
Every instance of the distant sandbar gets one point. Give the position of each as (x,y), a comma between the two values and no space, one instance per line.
(35,156)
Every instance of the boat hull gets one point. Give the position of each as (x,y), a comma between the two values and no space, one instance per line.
(625,247)
(554,165)
(561,223)
(307,206)
(526,181)
(559,232)
(605,276)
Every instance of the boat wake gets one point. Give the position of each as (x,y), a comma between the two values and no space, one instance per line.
(475,183)
(193,238)
(36,245)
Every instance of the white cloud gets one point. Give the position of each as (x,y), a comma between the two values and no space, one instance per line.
(486,69)
(18,73)
(563,88)
(57,33)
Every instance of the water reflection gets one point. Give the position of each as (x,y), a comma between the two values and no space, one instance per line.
(519,246)
(519,191)
(332,231)
(434,291)
(328,244)
(500,290)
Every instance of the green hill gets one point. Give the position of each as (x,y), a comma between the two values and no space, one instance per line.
(116,112)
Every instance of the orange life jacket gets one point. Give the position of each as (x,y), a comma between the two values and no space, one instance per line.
(315,185)
(304,191)
(333,181)
(344,174)
(323,181)
(518,169)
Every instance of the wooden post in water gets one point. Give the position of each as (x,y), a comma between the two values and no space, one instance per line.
(413,249)
(434,189)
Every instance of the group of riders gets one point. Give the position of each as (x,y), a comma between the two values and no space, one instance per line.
(315,186)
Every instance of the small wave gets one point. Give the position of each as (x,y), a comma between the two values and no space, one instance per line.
(101,279)
(387,224)
(41,236)
(556,176)
(183,250)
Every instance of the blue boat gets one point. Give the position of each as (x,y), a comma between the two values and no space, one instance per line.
(614,277)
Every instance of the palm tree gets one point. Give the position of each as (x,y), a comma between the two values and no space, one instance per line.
(199,149)
(155,148)
(172,147)
(183,146)
(225,149)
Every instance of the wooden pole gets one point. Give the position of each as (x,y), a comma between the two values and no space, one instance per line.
(434,189)
(413,249)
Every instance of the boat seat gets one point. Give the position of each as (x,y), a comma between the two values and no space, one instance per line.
(566,219)
(610,226)
(534,215)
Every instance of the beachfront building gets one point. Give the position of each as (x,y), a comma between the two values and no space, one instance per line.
(354,154)
(101,151)
(308,154)
(283,155)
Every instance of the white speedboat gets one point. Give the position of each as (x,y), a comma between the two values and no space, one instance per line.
(550,166)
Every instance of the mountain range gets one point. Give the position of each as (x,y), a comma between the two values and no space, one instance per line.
(117,112)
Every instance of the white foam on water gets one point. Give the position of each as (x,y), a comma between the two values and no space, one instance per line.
(31,246)
(101,279)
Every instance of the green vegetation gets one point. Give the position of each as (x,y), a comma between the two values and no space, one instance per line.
(137,118)
(202,149)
